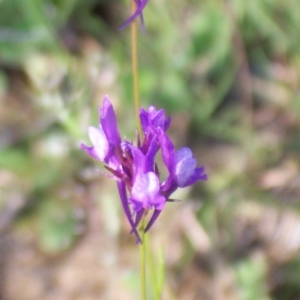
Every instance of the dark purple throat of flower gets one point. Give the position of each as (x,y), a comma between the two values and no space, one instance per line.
(134,167)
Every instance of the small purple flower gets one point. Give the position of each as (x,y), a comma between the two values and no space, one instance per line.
(186,172)
(140,4)
(182,166)
(182,170)
(154,119)
(134,167)
(145,193)
(106,138)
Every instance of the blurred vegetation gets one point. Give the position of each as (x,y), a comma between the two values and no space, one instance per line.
(228,72)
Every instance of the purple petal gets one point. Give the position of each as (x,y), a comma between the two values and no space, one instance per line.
(145,192)
(150,156)
(124,201)
(168,151)
(158,118)
(197,175)
(183,153)
(90,150)
(154,119)
(98,139)
(154,217)
(145,187)
(144,163)
(158,202)
(169,186)
(143,23)
(108,122)
(168,156)
(100,145)
(167,123)
(139,161)
(139,216)
(144,120)
(140,6)
(185,170)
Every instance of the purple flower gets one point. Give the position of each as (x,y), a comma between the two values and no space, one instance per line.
(140,4)
(134,167)
(145,192)
(186,172)
(154,119)
(182,166)
(106,138)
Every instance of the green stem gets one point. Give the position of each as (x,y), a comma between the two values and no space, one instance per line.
(150,261)
(155,263)
(143,260)
(142,247)
(136,96)
(135,72)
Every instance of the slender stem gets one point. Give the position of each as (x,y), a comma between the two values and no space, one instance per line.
(150,260)
(142,247)
(134,61)
(136,95)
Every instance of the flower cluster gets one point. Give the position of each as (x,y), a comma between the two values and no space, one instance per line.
(134,167)
(140,5)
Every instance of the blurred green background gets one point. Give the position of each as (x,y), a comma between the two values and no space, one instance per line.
(229,74)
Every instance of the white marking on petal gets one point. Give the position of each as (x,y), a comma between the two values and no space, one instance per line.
(183,153)
(146,187)
(99,141)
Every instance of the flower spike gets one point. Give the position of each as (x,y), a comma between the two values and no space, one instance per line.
(134,166)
